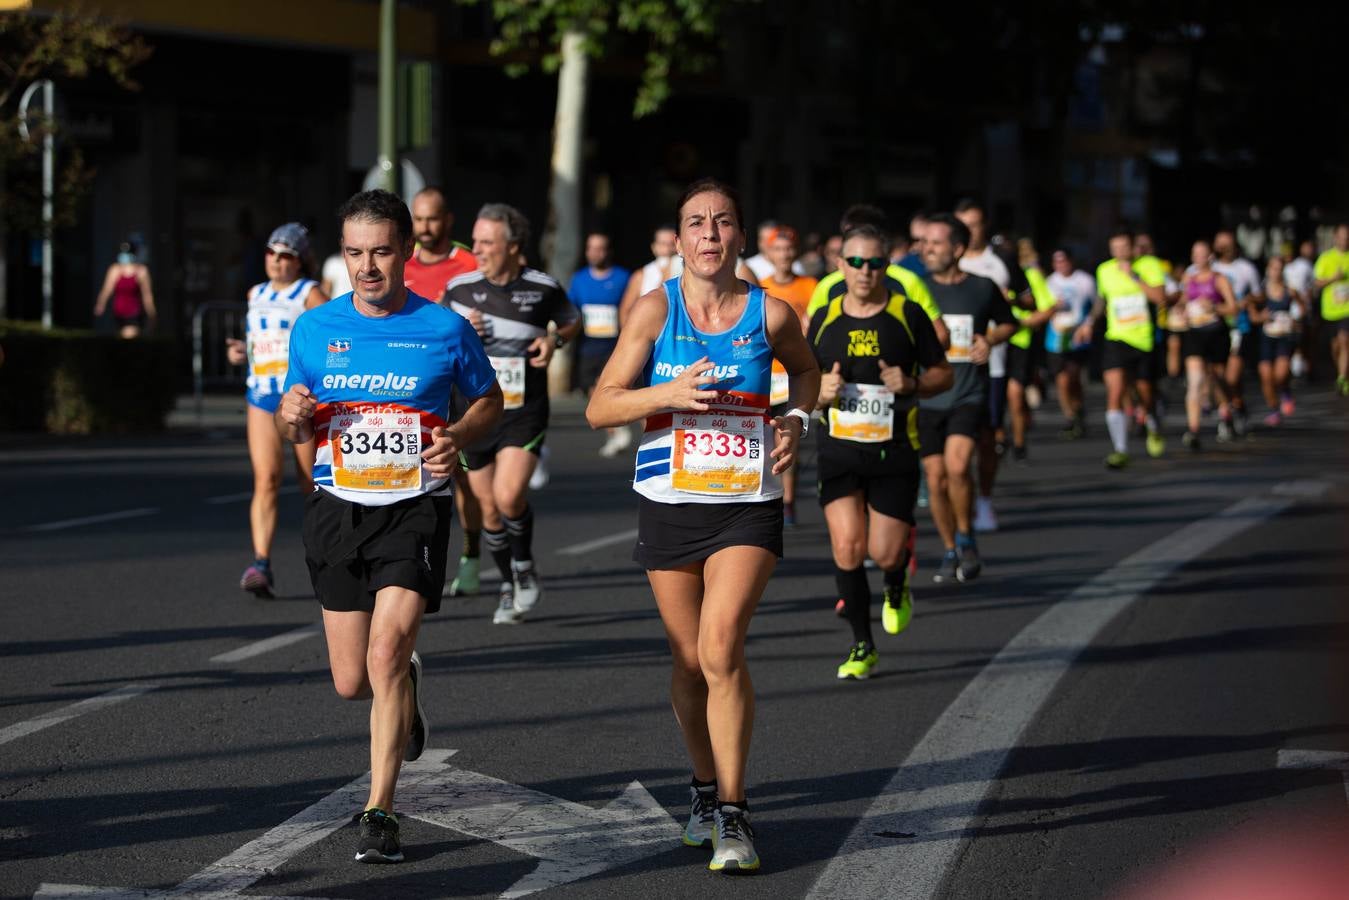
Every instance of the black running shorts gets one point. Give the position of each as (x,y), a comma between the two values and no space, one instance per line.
(670,535)
(1021,364)
(1210,342)
(1120,355)
(1057,362)
(889,483)
(588,369)
(352,550)
(525,428)
(935,425)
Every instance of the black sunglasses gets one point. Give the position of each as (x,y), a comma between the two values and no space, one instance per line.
(877,263)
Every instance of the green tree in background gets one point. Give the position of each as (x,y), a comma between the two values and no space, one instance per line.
(64,46)
(563,35)
(61,47)
(676,36)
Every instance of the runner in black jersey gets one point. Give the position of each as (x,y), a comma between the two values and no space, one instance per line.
(511,306)
(870,344)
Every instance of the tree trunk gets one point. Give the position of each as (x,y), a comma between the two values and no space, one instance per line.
(562,236)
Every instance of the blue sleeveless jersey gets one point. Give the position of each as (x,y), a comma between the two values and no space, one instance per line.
(718,456)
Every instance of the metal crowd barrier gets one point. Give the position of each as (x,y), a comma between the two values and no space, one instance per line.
(212,323)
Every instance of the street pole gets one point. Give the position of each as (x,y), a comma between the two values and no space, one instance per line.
(48,153)
(48,160)
(387,58)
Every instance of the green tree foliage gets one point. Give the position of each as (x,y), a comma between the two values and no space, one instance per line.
(673,36)
(65,46)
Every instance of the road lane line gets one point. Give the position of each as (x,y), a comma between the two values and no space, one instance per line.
(66,713)
(95,520)
(598,543)
(933,799)
(1317,759)
(1304,488)
(267,645)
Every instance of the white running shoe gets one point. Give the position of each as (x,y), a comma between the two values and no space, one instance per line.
(539,480)
(985,519)
(506,613)
(733,842)
(527,589)
(702,817)
(620,440)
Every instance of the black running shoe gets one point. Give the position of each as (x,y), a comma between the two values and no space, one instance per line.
(421,729)
(969,566)
(379,838)
(946,572)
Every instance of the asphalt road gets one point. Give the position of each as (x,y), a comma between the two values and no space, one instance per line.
(1118,687)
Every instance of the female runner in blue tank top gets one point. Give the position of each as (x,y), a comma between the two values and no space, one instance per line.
(699,350)
(273,307)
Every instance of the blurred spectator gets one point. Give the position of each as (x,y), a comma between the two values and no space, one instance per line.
(127,284)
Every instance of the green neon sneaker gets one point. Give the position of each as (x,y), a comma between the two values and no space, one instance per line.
(1117,460)
(466,581)
(1156,444)
(895,617)
(861,660)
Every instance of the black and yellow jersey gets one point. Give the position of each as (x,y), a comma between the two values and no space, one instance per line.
(898,280)
(901,334)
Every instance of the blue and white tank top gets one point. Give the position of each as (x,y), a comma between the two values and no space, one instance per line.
(721,455)
(271,314)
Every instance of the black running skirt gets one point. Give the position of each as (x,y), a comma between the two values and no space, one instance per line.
(670,535)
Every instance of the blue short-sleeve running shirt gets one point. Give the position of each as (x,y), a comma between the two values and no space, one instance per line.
(382,384)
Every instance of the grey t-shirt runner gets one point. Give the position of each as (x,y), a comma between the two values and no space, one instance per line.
(966,308)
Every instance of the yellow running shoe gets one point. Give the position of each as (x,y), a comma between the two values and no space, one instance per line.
(895,618)
(1156,444)
(861,660)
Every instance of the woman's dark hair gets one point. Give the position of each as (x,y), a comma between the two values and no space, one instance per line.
(378,206)
(715,186)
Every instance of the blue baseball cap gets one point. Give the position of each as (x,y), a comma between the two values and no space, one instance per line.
(290,238)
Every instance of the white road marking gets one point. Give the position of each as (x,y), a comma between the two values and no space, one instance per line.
(74,710)
(95,520)
(1317,759)
(1304,488)
(267,645)
(570,840)
(598,543)
(955,765)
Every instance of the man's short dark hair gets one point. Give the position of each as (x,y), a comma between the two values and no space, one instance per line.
(378,206)
(863,214)
(1121,230)
(867,231)
(960,232)
(969,204)
(432,190)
